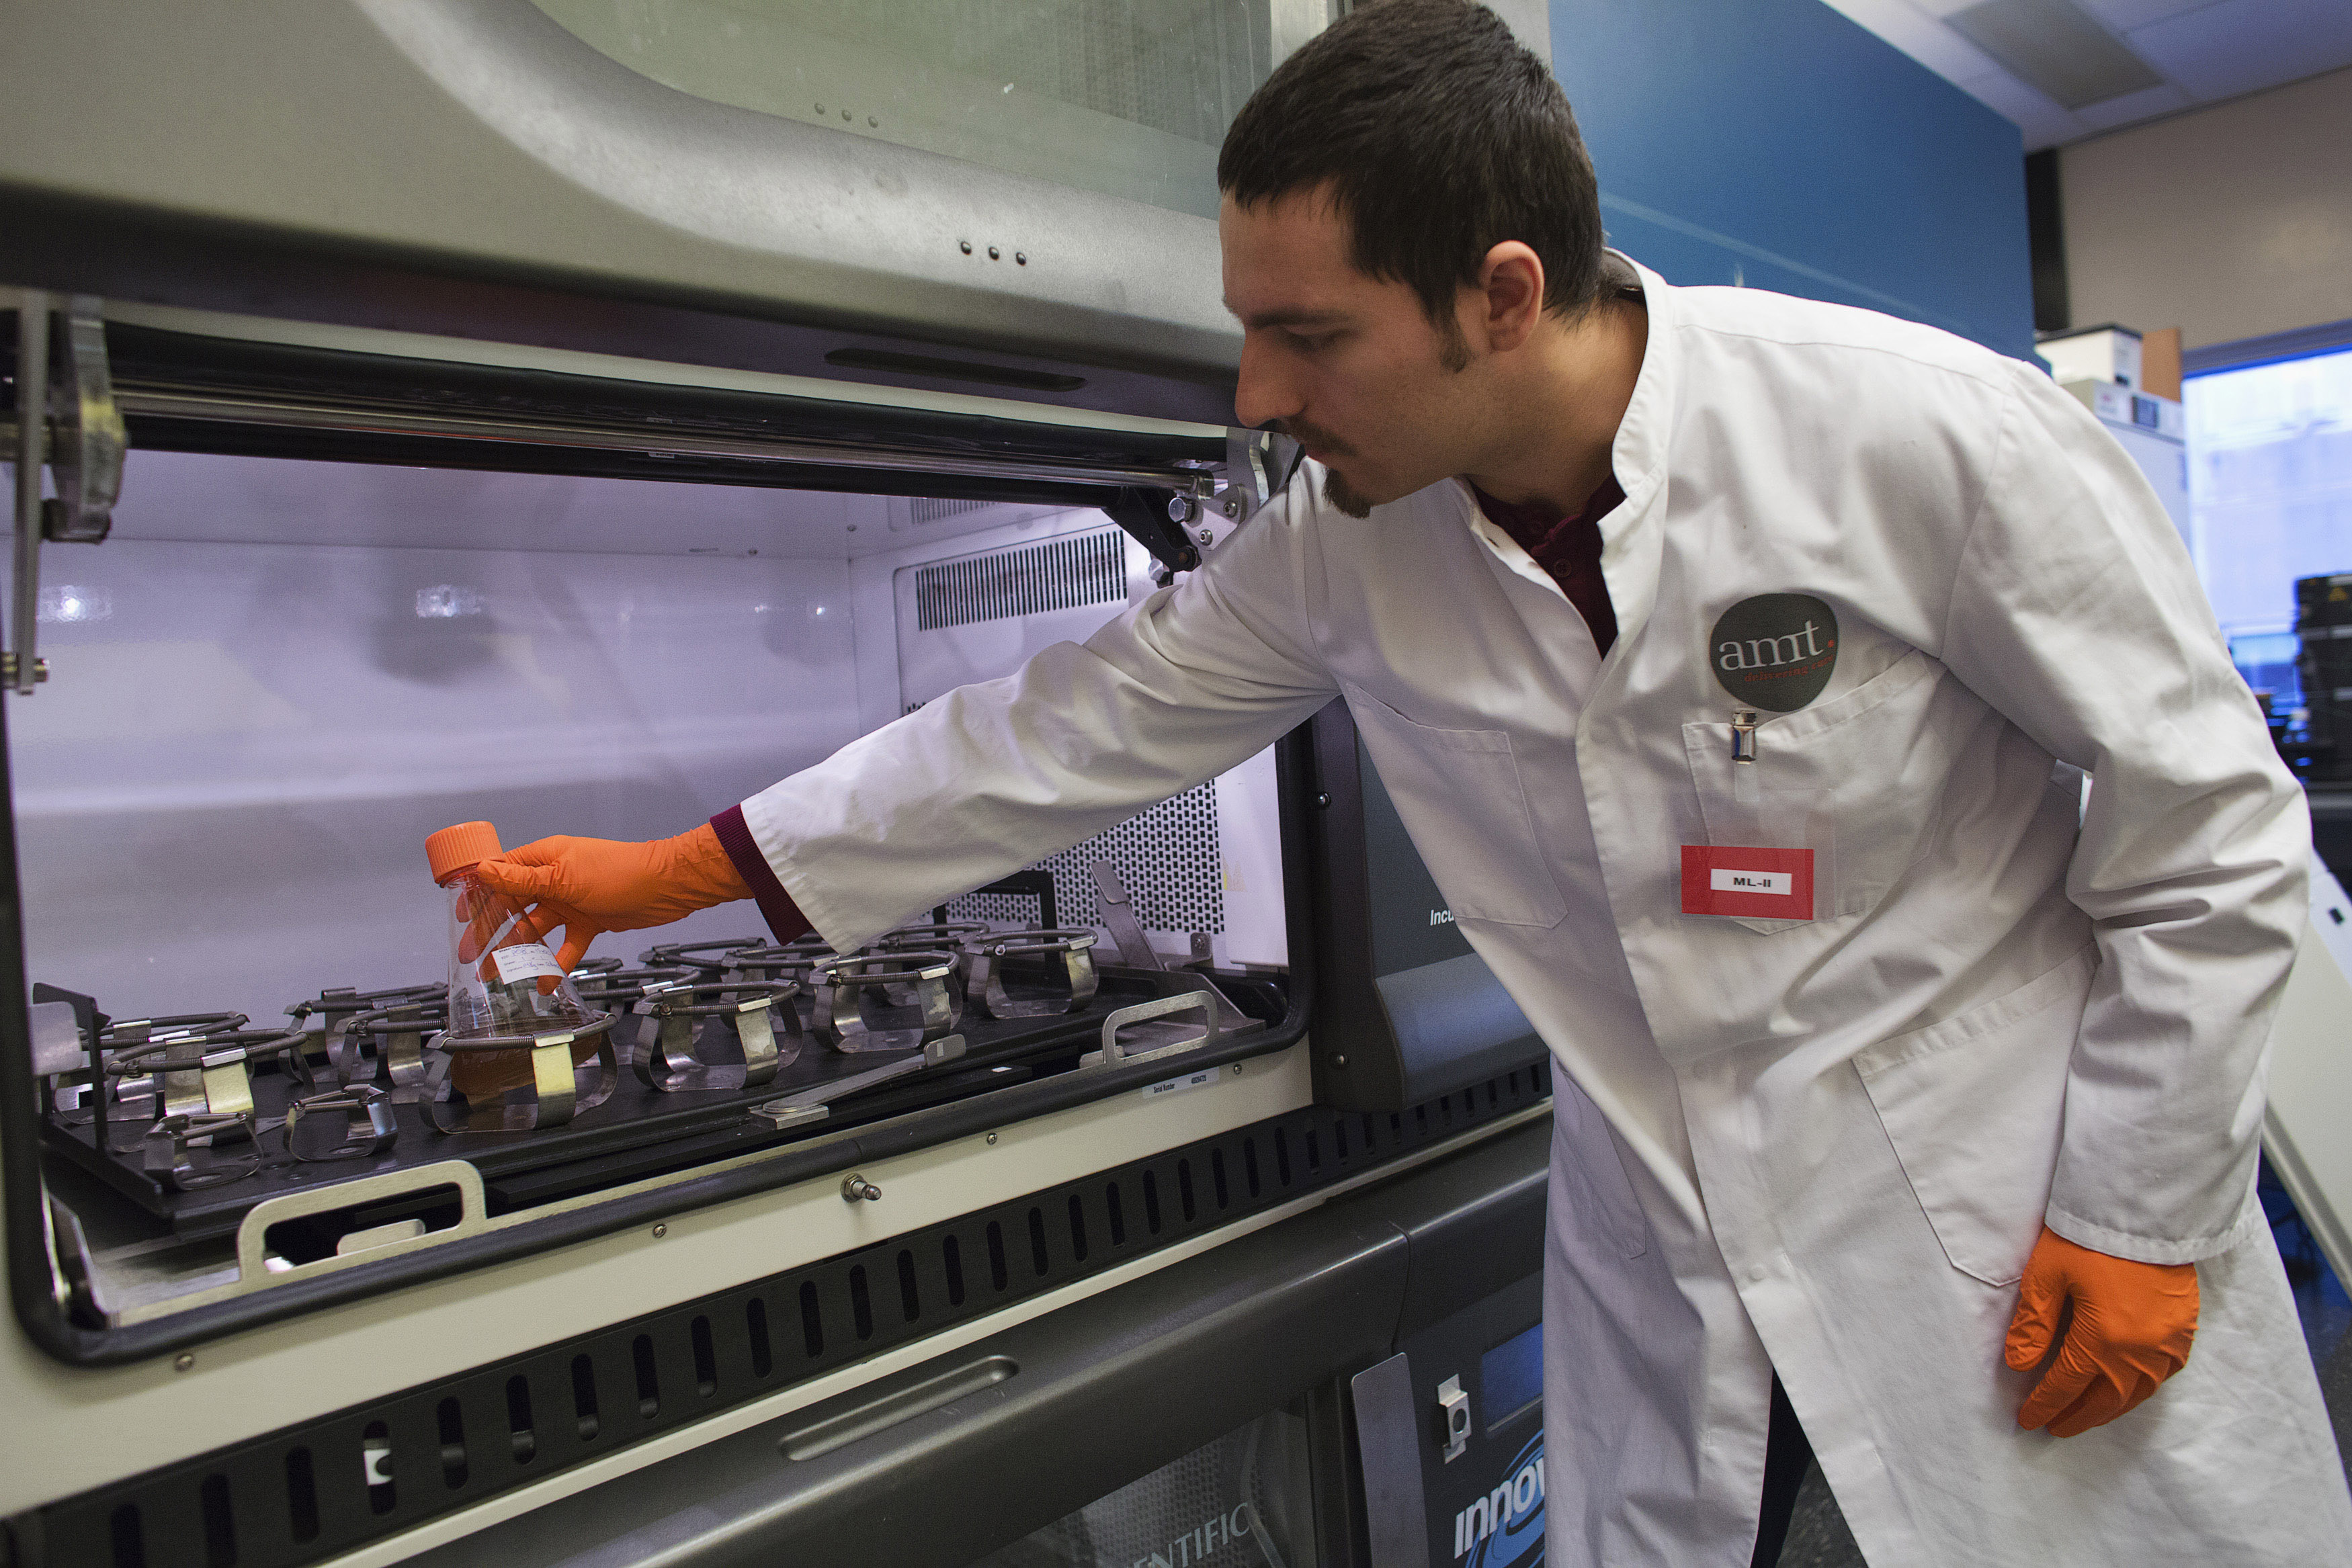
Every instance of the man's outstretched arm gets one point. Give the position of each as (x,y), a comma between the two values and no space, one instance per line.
(989,777)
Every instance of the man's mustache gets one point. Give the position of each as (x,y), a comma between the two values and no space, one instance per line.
(1308,433)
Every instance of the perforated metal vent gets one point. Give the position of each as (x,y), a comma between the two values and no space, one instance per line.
(1167,858)
(1059,574)
(931,509)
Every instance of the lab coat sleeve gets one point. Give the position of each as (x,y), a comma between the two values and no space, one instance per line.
(2076,612)
(994,776)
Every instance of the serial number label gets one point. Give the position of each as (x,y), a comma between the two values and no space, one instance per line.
(1200,1080)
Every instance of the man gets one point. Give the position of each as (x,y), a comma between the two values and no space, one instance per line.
(1734,660)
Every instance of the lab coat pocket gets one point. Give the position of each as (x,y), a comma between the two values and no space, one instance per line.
(1780,820)
(1975,1107)
(1460,795)
(1857,779)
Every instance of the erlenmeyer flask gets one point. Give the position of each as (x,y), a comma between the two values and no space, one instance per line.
(505,986)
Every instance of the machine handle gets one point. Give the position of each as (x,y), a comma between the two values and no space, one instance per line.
(1200,1002)
(473,1215)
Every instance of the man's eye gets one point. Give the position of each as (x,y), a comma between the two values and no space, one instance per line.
(1311,343)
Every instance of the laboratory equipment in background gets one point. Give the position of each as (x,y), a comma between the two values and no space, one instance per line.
(2109,354)
(2107,368)
(2151,429)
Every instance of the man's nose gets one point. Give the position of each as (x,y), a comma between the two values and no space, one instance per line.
(1263,394)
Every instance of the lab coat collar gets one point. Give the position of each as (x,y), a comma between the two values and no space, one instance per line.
(1631,543)
(1632,535)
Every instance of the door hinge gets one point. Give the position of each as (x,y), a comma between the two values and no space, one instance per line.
(65,420)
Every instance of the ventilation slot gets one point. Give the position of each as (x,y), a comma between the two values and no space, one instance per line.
(220,1532)
(1151,1203)
(812,1330)
(1184,1189)
(375,1465)
(1217,1178)
(1037,1242)
(641,1354)
(861,1306)
(301,1497)
(996,1271)
(1077,1229)
(584,1397)
(1249,1165)
(452,1424)
(755,1325)
(1281,1157)
(522,1441)
(931,509)
(951,1254)
(1118,1220)
(1034,579)
(910,1306)
(706,1359)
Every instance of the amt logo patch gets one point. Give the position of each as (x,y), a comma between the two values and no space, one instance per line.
(1775,651)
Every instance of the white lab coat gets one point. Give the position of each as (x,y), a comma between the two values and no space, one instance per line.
(1824,1147)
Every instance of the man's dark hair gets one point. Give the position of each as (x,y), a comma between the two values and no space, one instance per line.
(1440,137)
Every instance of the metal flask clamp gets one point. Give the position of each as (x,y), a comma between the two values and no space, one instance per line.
(172,1144)
(711,961)
(369,1128)
(622,992)
(551,1098)
(196,1072)
(794,961)
(320,1020)
(134,1091)
(695,1017)
(852,1012)
(398,1035)
(989,956)
(946,936)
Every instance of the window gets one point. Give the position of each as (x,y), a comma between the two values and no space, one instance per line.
(2270,487)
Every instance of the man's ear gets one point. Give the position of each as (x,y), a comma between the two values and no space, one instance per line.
(1511,295)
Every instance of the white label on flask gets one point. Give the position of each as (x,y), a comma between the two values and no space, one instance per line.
(524,961)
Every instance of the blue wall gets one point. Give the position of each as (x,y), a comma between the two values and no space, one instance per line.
(1776,143)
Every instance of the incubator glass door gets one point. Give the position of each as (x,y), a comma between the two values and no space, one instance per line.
(1126,97)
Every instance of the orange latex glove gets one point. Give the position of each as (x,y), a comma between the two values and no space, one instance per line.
(590,886)
(2128,1330)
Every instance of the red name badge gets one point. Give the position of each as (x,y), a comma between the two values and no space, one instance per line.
(1731,879)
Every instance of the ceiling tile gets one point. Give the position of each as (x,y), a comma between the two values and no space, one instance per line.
(2043,123)
(2124,15)
(1924,39)
(2134,107)
(2243,46)
(2056,46)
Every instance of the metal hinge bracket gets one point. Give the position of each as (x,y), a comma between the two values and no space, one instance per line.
(65,420)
